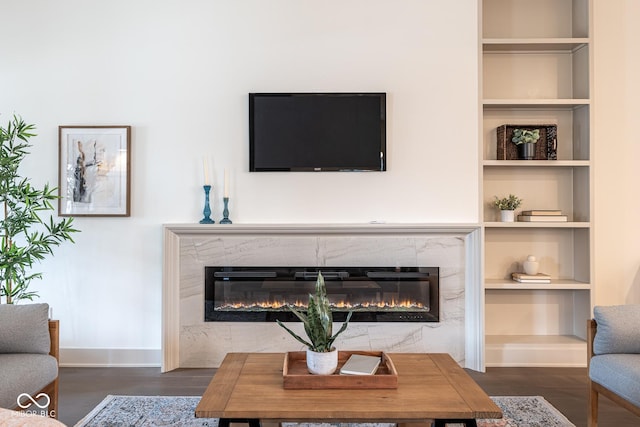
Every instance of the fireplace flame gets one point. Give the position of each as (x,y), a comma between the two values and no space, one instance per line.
(341,305)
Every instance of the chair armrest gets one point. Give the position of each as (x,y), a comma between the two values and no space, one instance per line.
(54,333)
(591,334)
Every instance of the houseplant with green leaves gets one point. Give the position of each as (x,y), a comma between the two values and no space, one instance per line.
(25,237)
(525,140)
(507,206)
(322,356)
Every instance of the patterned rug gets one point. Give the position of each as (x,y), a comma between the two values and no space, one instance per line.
(151,411)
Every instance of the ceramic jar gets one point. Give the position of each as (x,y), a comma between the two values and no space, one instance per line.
(531,265)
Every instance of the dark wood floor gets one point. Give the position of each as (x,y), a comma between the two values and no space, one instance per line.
(81,389)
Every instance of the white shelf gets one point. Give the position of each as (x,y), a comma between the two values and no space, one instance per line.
(568,224)
(497,284)
(533,44)
(535,103)
(536,163)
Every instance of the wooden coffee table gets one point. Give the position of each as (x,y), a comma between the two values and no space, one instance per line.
(431,387)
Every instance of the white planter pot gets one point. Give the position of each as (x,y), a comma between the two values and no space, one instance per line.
(322,363)
(507,216)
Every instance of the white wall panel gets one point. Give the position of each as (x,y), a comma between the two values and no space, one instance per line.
(179,73)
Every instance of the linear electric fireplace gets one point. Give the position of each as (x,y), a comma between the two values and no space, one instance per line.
(374,294)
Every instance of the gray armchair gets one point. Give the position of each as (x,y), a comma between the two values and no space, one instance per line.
(614,358)
(29,344)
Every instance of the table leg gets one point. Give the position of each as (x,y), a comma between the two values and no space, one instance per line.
(253,422)
(466,423)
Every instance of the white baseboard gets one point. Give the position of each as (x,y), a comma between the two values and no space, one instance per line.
(110,357)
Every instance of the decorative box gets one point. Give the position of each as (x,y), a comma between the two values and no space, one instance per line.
(546,147)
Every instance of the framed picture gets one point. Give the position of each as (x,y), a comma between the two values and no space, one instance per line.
(94,170)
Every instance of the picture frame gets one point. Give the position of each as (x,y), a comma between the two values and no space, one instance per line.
(94,176)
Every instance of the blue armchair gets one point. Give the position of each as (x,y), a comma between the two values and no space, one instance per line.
(614,358)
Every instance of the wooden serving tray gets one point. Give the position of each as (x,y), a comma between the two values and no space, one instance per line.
(296,376)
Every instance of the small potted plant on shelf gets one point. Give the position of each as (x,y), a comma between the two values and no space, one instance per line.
(507,206)
(322,356)
(525,140)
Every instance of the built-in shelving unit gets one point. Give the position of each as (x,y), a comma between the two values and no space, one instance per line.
(536,68)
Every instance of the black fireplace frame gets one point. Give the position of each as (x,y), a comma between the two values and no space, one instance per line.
(401,274)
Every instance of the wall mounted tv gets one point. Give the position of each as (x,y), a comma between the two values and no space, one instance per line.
(317,132)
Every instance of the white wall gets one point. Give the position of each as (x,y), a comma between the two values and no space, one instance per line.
(617,152)
(179,73)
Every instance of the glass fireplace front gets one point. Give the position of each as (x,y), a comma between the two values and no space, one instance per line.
(373,294)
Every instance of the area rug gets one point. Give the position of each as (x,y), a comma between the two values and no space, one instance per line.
(151,411)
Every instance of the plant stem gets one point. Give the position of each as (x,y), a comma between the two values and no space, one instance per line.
(6,248)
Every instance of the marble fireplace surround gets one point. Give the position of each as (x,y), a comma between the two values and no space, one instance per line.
(189,341)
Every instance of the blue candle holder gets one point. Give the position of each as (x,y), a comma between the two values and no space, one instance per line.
(225,212)
(207,210)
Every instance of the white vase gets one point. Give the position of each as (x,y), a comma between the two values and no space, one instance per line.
(507,216)
(322,363)
(531,265)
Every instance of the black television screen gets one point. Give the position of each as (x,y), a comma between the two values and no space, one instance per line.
(317,132)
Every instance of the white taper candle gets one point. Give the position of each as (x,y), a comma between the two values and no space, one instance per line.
(226,183)
(205,167)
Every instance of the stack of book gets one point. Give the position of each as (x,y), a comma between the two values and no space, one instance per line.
(542,215)
(531,278)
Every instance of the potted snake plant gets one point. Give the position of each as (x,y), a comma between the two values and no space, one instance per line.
(322,356)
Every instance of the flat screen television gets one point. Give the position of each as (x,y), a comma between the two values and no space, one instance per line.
(317,132)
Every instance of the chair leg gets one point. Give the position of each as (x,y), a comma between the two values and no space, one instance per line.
(593,407)
(53,407)
(51,390)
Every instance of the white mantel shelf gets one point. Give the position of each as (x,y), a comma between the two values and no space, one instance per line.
(183,260)
(366,228)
